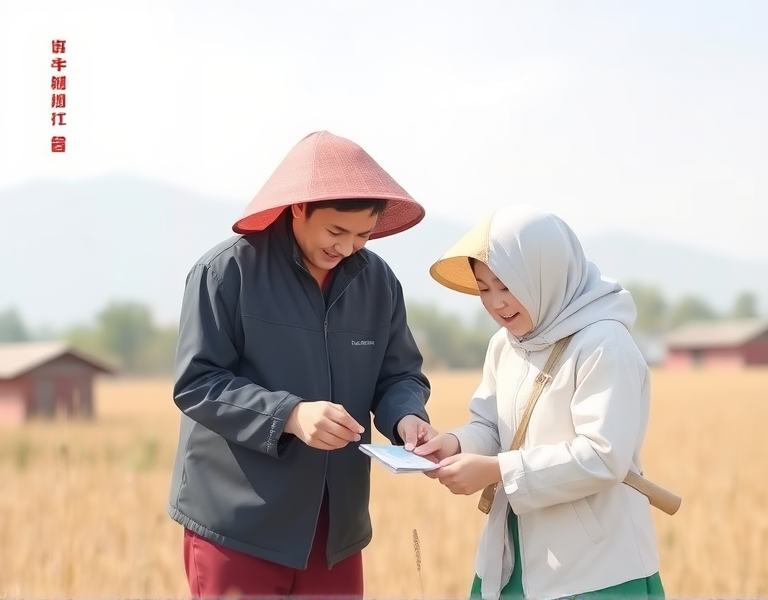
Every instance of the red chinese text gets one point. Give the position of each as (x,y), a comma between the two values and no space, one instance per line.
(58,100)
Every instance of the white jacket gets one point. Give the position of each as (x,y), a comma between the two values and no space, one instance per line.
(580,528)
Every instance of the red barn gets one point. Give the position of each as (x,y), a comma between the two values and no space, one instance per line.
(735,343)
(46,379)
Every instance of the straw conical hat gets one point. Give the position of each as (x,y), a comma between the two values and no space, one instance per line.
(324,166)
(453,269)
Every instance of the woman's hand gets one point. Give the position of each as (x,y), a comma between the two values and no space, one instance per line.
(436,449)
(467,473)
(439,447)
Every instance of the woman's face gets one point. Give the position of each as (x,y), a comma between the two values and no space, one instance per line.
(500,303)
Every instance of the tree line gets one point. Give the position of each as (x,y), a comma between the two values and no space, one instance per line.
(126,334)
(655,314)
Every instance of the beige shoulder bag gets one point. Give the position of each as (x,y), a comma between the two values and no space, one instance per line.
(659,497)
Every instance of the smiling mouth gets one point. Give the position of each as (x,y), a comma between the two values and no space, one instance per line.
(508,318)
(332,256)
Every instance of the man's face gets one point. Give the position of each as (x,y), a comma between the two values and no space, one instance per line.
(328,235)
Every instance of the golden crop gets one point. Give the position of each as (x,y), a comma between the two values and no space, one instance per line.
(82,505)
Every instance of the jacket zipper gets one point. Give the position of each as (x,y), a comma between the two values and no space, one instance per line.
(330,395)
(330,392)
(325,334)
(515,411)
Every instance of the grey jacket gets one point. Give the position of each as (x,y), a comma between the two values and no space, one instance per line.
(255,338)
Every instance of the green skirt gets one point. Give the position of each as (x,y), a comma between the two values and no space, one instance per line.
(646,588)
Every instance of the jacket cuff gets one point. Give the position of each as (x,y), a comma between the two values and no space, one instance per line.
(472,442)
(275,445)
(467,444)
(513,480)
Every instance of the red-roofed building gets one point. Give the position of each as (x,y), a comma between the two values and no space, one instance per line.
(735,343)
(46,379)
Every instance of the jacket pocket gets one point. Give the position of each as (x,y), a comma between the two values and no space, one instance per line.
(589,520)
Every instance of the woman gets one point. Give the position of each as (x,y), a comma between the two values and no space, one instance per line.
(561,522)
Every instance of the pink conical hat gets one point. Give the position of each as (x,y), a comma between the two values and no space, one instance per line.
(324,166)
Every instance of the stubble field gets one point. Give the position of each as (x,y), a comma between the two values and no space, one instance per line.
(82,505)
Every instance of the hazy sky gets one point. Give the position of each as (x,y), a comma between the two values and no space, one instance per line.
(647,116)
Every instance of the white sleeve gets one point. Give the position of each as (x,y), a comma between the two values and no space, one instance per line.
(481,434)
(607,412)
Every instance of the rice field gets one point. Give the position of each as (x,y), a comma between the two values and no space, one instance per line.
(82,505)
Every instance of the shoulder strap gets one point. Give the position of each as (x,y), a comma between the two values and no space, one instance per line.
(543,379)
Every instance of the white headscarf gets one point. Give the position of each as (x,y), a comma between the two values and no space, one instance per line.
(540,260)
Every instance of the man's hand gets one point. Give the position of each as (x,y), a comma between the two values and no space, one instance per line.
(467,473)
(323,425)
(414,431)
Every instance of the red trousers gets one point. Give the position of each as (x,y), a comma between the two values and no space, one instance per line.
(214,571)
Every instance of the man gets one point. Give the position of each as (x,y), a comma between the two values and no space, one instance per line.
(291,335)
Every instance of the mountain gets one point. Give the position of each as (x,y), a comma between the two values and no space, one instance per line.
(69,248)
(679,270)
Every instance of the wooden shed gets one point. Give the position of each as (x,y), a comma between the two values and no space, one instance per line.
(731,343)
(45,380)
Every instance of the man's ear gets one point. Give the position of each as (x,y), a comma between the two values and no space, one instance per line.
(298,210)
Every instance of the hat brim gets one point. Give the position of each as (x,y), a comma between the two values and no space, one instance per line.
(398,215)
(453,270)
